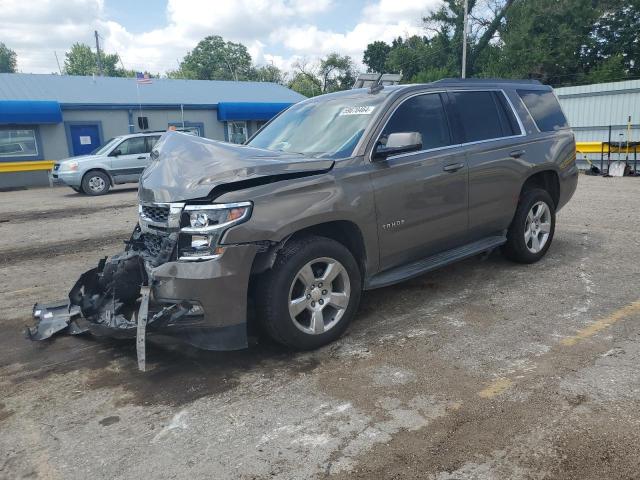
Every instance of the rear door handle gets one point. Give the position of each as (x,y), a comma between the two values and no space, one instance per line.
(454,167)
(516,153)
(142,158)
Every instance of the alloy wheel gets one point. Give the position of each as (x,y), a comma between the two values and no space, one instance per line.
(319,295)
(537,227)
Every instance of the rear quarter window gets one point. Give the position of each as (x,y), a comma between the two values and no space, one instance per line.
(544,109)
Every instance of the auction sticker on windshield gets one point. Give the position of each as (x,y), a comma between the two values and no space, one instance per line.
(360,110)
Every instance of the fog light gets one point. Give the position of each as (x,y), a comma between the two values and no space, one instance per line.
(200,242)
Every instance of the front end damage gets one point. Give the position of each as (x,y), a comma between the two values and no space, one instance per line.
(148,289)
(177,276)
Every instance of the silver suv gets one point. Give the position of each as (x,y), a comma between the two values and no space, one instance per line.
(121,160)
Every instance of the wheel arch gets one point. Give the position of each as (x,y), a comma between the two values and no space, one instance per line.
(548,180)
(345,232)
(98,169)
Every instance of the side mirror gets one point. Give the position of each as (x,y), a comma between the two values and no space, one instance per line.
(116,153)
(399,142)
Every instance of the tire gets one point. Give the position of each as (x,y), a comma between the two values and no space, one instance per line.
(296,275)
(96,183)
(523,245)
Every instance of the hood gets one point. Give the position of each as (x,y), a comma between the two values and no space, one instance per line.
(79,158)
(185,167)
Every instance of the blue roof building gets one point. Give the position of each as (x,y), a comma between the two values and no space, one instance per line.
(58,116)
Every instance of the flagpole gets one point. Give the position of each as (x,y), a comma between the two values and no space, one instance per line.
(138,94)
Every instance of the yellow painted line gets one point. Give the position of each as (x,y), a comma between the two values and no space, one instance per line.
(11,167)
(496,388)
(603,323)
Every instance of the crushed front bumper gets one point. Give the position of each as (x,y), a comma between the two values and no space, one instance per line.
(141,290)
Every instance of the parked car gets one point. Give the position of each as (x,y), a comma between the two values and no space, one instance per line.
(340,193)
(121,160)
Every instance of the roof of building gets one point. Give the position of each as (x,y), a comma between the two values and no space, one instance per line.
(607,88)
(67,89)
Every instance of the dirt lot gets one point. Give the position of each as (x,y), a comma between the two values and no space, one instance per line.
(482,370)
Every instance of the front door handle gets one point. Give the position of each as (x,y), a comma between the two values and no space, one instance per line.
(142,158)
(454,167)
(516,153)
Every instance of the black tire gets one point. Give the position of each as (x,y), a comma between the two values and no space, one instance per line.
(275,288)
(92,180)
(516,248)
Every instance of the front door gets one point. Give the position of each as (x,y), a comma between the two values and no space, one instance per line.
(421,197)
(129,159)
(84,139)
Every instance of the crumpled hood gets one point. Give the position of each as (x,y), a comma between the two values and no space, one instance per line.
(186,167)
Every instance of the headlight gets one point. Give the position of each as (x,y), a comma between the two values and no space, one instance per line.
(206,225)
(69,166)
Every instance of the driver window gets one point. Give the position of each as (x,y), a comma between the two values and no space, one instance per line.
(132,146)
(423,114)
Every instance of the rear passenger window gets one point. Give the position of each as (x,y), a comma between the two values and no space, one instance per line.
(482,116)
(544,108)
(424,114)
(151,142)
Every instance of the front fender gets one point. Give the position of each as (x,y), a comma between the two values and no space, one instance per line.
(283,208)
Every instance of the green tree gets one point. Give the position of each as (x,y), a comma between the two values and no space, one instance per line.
(305,84)
(336,73)
(8,59)
(267,73)
(545,40)
(81,60)
(215,59)
(375,56)
(615,38)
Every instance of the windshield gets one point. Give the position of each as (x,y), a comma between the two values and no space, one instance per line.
(105,148)
(327,127)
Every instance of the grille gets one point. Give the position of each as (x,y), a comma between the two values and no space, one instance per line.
(156,213)
(153,244)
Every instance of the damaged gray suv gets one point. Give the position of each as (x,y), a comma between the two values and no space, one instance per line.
(340,193)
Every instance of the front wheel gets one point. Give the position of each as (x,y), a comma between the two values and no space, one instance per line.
(96,182)
(310,294)
(531,232)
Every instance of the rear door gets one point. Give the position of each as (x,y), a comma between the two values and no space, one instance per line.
(485,122)
(129,159)
(421,197)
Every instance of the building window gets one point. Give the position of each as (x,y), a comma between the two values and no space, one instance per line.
(237,132)
(18,143)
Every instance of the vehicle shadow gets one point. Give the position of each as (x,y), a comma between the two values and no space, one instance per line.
(73,194)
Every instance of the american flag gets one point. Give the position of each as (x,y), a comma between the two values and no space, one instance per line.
(143,78)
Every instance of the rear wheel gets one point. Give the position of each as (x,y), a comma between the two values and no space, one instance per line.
(531,232)
(310,294)
(96,182)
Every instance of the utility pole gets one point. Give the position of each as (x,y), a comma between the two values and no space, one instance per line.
(98,53)
(464,39)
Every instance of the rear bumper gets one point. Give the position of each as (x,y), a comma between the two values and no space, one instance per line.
(568,185)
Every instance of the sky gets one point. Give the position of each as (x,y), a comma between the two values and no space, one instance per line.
(154,35)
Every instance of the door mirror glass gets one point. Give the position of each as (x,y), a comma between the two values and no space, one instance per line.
(116,152)
(398,142)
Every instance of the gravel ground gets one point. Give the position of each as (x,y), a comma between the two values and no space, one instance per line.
(481,370)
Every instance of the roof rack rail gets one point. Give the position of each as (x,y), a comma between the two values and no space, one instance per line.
(487,80)
(377,81)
